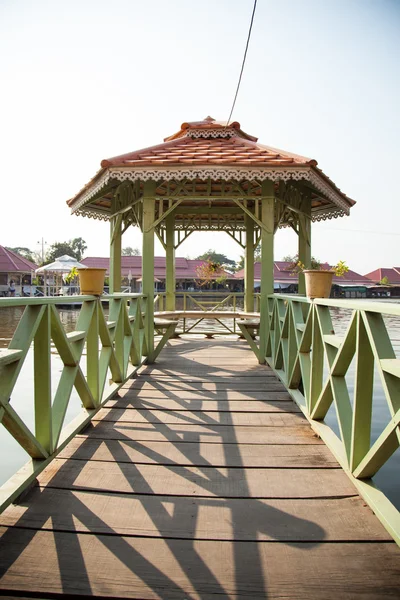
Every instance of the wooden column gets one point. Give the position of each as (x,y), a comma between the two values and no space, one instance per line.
(170,262)
(249,265)
(148,264)
(115,255)
(267,261)
(304,245)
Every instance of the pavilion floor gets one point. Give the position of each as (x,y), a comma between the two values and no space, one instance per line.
(199,479)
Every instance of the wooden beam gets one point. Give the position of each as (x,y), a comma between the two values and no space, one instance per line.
(249,266)
(267,262)
(115,254)
(148,264)
(304,221)
(170,263)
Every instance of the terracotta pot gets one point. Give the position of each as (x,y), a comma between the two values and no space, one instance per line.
(91,281)
(318,283)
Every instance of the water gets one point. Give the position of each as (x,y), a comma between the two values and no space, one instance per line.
(22,400)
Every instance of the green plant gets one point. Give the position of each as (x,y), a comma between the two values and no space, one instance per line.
(210,271)
(297,266)
(72,275)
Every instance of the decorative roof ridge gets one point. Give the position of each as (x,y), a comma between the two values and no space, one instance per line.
(209,127)
(331,183)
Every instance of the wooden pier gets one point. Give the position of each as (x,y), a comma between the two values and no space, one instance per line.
(200,479)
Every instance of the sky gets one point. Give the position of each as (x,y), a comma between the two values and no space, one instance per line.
(85,80)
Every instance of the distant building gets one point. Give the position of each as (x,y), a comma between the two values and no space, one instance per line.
(390,279)
(185,269)
(14,267)
(351,285)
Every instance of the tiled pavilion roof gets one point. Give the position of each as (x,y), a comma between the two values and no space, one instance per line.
(10,262)
(219,146)
(210,150)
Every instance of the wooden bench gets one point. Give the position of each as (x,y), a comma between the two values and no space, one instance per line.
(166,327)
(247,322)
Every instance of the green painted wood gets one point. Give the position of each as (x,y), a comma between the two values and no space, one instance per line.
(382,349)
(304,231)
(363,394)
(317,361)
(148,263)
(92,360)
(70,352)
(115,254)
(8,356)
(386,444)
(42,382)
(20,432)
(246,334)
(170,262)
(21,340)
(61,400)
(249,265)
(267,261)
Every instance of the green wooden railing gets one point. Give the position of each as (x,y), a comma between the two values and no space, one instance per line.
(207,301)
(113,347)
(312,361)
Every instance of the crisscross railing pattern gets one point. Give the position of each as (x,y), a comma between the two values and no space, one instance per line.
(114,346)
(312,361)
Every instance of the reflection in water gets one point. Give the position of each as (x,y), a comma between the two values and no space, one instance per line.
(387,479)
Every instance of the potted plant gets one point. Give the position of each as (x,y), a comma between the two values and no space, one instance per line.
(318,278)
(91,281)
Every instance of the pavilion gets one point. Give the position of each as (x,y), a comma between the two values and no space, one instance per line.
(210,176)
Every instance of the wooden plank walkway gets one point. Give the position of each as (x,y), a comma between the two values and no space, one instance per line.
(200,479)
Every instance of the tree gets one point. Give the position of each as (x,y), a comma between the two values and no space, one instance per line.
(384,281)
(257,258)
(79,246)
(24,252)
(74,248)
(216,257)
(129,251)
(210,271)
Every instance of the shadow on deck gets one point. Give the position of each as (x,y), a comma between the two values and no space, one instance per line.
(200,479)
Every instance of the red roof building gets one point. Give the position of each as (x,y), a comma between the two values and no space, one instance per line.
(283,277)
(392,275)
(185,268)
(16,268)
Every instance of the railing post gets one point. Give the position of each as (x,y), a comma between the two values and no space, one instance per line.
(170,262)
(267,262)
(304,245)
(249,265)
(42,382)
(148,264)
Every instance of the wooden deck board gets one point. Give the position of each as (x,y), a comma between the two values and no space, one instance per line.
(200,453)
(311,520)
(200,479)
(259,419)
(218,434)
(196,481)
(177,402)
(148,568)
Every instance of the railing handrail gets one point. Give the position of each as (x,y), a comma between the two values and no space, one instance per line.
(37,300)
(122,337)
(312,361)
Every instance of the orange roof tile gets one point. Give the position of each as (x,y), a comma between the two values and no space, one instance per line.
(212,143)
(184,147)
